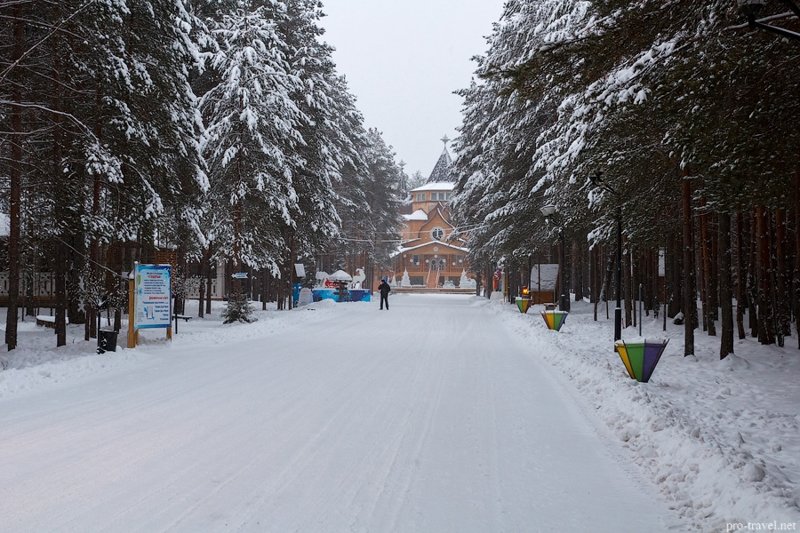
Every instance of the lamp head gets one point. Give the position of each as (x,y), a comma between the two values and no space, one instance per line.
(596,179)
(548,210)
(751,8)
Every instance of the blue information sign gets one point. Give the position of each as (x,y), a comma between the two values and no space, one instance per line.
(153,296)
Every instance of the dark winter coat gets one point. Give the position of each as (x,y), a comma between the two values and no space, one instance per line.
(384,288)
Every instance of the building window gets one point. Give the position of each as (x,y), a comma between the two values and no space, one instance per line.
(415,260)
(437,263)
(437,234)
(420,197)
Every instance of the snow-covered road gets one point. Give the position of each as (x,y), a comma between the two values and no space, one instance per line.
(429,417)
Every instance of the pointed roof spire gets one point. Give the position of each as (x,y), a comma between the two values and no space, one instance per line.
(441,172)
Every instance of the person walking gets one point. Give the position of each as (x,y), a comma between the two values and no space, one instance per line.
(385,289)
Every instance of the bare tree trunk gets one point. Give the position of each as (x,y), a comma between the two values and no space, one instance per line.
(94,247)
(290,277)
(15,179)
(123,288)
(627,284)
(725,295)
(651,303)
(577,270)
(781,286)
(741,293)
(61,296)
(775,273)
(60,281)
(765,318)
(674,271)
(797,256)
(713,274)
(489,281)
(594,278)
(201,289)
(209,282)
(700,259)
(607,282)
(689,293)
(752,278)
(708,291)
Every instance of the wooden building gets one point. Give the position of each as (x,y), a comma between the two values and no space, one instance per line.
(430,255)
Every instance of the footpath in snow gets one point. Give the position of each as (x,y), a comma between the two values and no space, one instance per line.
(447,413)
(429,417)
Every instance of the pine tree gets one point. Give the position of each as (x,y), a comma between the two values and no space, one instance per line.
(251,134)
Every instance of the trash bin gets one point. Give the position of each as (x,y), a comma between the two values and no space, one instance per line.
(106,341)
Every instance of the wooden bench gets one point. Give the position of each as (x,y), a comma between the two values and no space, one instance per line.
(185,318)
(48,321)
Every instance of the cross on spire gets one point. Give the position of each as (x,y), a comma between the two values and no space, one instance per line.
(445,140)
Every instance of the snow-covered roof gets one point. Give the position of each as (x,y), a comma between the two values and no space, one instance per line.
(5,225)
(403,250)
(436,186)
(419,214)
(341,275)
(441,172)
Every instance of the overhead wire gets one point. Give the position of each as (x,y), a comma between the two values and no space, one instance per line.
(457,229)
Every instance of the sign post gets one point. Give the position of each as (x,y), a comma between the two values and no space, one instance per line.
(133,334)
(150,305)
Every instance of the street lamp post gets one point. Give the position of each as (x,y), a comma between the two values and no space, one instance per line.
(549,212)
(597,180)
(618,309)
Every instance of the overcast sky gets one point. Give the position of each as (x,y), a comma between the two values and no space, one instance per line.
(403,59)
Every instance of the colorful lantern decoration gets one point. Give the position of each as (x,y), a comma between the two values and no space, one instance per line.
(523,304)
(554,319)
(640,357)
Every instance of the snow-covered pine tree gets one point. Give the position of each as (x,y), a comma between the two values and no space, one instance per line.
(111,114)
(238,308)
(648,96)
(325,148)
(383,196)
(252,134)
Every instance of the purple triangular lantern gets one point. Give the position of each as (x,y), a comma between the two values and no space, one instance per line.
(652,354)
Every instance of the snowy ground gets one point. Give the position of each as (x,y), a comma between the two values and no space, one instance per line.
(721,439)
(447,413)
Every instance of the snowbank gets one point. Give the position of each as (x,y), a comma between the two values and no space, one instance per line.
(721,439)
(37,364)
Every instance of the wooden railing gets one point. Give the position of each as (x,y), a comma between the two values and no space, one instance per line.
(42,291)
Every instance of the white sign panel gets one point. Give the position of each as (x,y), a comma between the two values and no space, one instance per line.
(662,262)
(544,277)
(153,296)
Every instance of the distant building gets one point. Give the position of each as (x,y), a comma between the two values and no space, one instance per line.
(430,255)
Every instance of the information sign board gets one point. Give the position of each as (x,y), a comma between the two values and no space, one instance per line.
(153,296)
